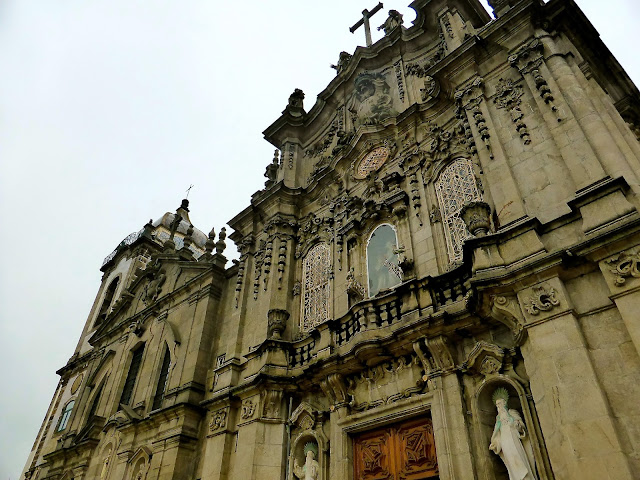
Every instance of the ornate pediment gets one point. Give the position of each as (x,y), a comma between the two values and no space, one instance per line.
(485,359)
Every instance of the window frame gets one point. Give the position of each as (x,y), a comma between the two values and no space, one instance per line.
(366,258)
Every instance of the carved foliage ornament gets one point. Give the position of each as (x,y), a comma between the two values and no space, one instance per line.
(248,409)
(218,420)
(544,298)
(625,266)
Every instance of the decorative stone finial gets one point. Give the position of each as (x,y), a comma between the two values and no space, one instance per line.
(477,217)
(208,247)
(295,106)
(188,239)
(220,245)
(271,173)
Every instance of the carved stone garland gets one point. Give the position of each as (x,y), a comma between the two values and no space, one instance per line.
(527,60)
(470,98)
(508,96)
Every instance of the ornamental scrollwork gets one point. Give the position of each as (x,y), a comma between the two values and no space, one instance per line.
(624,266)
(354,288)
(544,298)
(218,420)
(248,409)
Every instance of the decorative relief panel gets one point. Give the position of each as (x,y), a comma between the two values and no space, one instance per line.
(623,267)
(542,299)
(315,288)
(455,186)
(372,102)
(385,383)
(218,421)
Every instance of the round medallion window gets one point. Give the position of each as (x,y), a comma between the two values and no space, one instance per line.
(372,162)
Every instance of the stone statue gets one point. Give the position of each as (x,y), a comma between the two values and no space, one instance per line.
(311,469)
(105,467)
(393,21)
(510,440)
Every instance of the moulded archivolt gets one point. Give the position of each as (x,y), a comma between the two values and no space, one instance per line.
(455,186)
(315,295)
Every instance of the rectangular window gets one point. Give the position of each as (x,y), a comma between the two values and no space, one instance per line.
(162,380)
(136,360)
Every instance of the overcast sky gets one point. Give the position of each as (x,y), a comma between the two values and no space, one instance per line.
(109,110)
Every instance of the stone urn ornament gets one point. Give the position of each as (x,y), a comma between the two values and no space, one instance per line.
(477,217)
(277,322)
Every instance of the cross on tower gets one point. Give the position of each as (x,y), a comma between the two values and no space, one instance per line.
(366,15)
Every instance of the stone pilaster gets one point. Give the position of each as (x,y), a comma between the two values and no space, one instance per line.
(579,430)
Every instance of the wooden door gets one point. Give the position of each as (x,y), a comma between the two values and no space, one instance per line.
(398,452)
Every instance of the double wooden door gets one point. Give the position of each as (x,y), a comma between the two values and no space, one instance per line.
(398,452)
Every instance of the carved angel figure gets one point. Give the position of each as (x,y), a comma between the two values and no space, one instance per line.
(510,440)
(311,468)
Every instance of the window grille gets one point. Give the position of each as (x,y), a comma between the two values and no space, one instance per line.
(129,383)
(455,186)
(315,295)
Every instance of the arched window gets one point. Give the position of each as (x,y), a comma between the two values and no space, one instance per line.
(315,287)
(108,298)
(136,361)
(94,404)
(455,186)
(66,414)
(162,380)
(383,270)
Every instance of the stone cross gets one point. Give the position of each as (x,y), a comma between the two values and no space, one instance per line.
(366,15)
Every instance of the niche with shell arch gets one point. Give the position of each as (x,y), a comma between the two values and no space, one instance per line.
(139,464)
(105,461)
(484,414)
(306,424)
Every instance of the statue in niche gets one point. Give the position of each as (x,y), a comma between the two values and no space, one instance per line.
(105,467)
(372,102)
(510,440)
(311,468)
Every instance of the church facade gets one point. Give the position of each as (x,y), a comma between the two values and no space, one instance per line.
(440,279)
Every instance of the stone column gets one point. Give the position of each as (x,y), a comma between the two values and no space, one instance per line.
(449,423)
(579,432)
(450,429)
